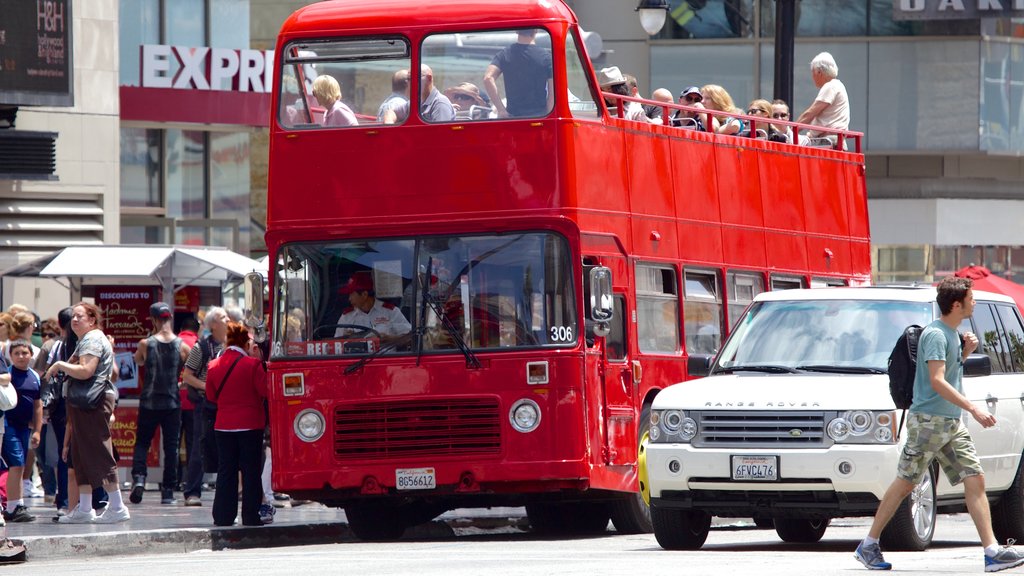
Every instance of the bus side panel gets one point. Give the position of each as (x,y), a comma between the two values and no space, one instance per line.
(860,229)
(825,197)
(694,177)
(648,158)
(743,235)
(597,182)
(783,209)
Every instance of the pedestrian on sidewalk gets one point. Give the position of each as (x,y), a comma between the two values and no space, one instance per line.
(163,354)
(52,395)
(237,383)
(202,454)
(935,430)
(88,441)
(189,334)
(23,426)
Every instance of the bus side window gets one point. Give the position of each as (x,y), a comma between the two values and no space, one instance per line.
(702,310)
(582,103)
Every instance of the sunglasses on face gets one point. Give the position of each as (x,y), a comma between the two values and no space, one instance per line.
(780,115)
(464,98)
(694,98)
(49,335)
(756,112)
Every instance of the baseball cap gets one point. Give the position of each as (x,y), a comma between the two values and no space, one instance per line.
(360,281)
(692,90)
(160,310)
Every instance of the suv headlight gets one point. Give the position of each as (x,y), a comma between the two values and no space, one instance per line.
(863,427)
(672,426)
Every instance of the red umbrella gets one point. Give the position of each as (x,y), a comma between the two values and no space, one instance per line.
(989,282)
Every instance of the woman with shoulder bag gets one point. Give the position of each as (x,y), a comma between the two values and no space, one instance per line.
(90,398)
(237,383)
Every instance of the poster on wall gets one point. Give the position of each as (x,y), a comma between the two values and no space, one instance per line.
(126,319)
(123,432)
(36,53)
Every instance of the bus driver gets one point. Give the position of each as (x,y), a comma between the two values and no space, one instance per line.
(367,311)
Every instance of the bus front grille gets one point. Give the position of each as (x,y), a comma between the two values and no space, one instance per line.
(437,427)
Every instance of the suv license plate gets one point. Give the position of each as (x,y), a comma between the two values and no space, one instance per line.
(415,479)
(755,468)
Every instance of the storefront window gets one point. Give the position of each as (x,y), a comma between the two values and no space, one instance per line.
(186,23)
(229,23)
(709,19)
(229,177)
(140,168)
(821,18)
(185,165)
(139,24)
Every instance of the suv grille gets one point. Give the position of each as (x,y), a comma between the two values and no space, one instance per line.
(745,429)
(436,427)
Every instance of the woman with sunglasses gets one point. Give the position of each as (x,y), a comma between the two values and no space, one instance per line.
(717,98)
(780,111)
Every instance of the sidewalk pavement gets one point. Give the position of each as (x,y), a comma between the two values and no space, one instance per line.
(157,528)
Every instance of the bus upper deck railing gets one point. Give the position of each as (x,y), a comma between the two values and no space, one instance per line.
(756,123)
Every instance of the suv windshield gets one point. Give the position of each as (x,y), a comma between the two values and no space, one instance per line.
(820,334)
(495,292)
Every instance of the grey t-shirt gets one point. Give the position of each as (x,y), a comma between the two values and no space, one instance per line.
(95,343)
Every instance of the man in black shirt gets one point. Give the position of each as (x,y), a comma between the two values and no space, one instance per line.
(527,68)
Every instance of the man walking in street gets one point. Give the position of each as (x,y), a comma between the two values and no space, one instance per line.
(163,355)
(935,430)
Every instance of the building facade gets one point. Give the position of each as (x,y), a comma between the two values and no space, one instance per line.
(940,103)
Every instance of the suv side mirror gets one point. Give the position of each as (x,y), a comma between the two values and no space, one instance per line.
(978,365)
(699,365)
(253,287)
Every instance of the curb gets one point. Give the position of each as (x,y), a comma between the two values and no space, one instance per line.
(177,541)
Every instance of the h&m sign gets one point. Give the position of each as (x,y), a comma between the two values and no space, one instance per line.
(956,9)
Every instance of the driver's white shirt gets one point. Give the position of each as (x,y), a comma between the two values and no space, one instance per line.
(384,318)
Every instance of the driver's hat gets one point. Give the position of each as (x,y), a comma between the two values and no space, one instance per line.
(361,281)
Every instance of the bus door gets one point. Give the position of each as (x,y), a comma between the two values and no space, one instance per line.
(620,391)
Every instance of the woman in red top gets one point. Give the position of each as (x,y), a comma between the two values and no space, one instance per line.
(237,383)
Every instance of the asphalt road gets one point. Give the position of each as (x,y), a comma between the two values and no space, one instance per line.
(737,548)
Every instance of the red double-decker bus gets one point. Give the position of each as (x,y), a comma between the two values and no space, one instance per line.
(472,307)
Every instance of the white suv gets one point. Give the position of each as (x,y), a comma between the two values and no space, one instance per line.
(795,424)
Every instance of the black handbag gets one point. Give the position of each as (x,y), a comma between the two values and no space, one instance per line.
(86,394)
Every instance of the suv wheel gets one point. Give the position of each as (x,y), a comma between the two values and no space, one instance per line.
(801,530)
(1008,514)
(680,529)
(913,525)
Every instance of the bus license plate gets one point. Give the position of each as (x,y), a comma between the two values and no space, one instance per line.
(415,479)
(755,467)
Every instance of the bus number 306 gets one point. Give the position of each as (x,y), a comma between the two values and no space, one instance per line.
(561,333)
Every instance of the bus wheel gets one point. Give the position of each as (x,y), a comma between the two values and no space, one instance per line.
(800,530)
(680,529)
(631,514)
(375,521)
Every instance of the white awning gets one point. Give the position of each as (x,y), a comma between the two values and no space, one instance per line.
(171,267)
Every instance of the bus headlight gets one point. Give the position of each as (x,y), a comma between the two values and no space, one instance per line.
(524,415)
(309,425)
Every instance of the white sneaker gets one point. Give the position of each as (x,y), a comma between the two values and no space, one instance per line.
(111,516)
(76,516)
(29,490)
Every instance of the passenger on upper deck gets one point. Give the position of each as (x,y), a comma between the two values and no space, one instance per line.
(831,108)
(717,98)
(692,120)
(464,98)
(399,94)
(659,95)
(327,92)
(529,87)
(367,311)
(612,80)
(780,111)
(434,106)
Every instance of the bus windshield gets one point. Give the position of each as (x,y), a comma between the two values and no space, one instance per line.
(494,292)
(820,334)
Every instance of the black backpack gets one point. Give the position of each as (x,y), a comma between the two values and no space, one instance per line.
(903,367)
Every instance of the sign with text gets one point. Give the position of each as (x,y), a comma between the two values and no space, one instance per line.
(956,9)
(35,52)
(206,68)
(126,319)
(123,432)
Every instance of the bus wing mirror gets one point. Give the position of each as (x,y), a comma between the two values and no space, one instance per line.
(253,288)
(601,306)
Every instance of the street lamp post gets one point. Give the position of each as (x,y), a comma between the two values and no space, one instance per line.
(785,31)
(652,15)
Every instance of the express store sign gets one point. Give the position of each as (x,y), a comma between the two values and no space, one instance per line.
(205,68)
(200,85)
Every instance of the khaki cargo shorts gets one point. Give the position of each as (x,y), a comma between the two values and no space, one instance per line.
(944,439)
